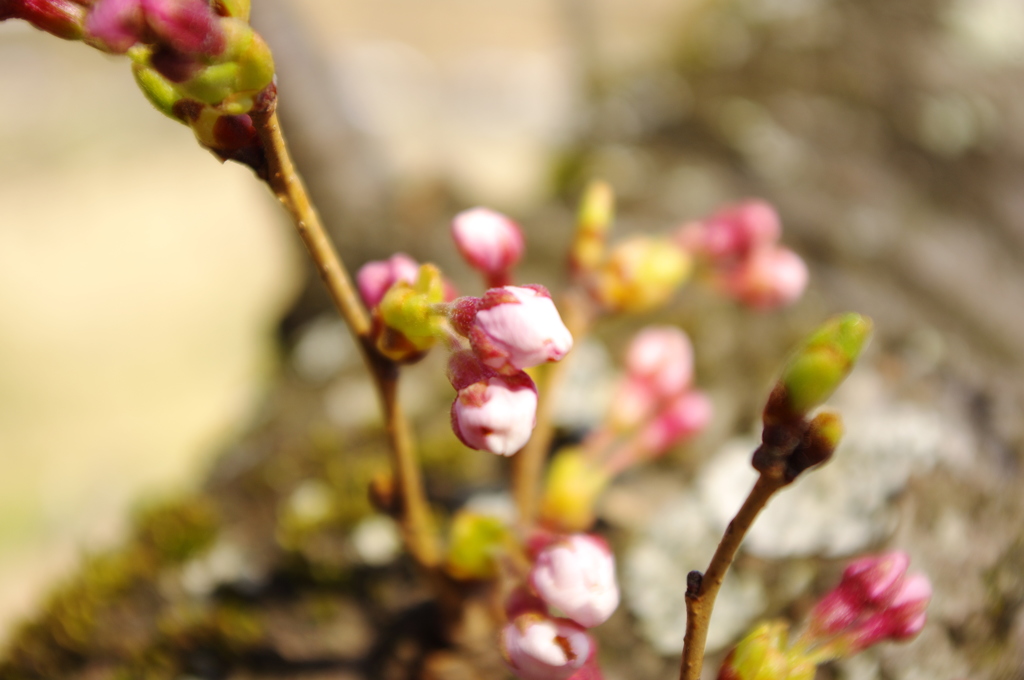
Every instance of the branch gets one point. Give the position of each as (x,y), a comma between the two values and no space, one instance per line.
(286,184)
(702,589)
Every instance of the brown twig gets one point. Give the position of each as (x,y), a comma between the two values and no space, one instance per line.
(702,589)
(528,464)
(286,184)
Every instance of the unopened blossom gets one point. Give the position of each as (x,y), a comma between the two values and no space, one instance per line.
(661,357)
(876,579)
(538,647)
(491,412)
(187,26)
(768,278)
(684,417)
(901,619)
(375,278)
(489,241)
(576,575)
(733,232)
(513,327)
(867,584)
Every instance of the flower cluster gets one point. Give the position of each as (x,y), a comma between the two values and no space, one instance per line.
(493,337)
(876,600)
(739,247)
(197,61)
(654,408)
(574,576)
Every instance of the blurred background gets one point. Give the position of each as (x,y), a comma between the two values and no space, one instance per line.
(156,310)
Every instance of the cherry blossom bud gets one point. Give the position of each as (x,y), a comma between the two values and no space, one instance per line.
(684,417)
(488,240)
(868,584)
(662,357)
(876,579)
(907,609)
(902,619)
(768,278)
(374,278)
(492,412)
(733,232)
(188,26)
(513,327)
(537,647)
(116,24)
(577,576)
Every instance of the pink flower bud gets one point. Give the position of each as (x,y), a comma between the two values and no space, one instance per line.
(684,417)
(733,232)
(868,584)
(902,619)
(117,24)
(375,278)
(577,576)
(492,412)
(769,277)
(876,579)
(907,609)
(536,647)
(661,356)
(834,613)
(514,327)
(187,26)
(488,240)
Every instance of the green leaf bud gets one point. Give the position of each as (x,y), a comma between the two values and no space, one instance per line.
(817,445)
(814,371)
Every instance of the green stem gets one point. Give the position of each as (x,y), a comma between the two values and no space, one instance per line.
(288,187)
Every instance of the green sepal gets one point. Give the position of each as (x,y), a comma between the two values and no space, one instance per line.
(237,9)
(213,84)
(764,655)
(160,92)
(412,309)
(255,66)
